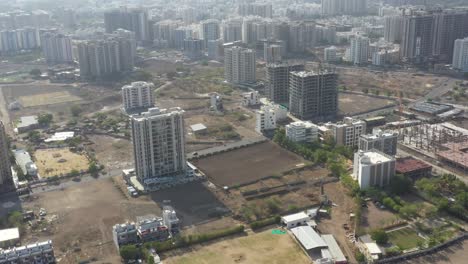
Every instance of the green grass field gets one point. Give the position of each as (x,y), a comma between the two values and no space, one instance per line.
(405,238)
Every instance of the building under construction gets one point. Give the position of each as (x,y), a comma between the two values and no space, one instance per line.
(277,80)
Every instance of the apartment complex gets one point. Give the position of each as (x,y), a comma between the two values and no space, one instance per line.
(393,28)
(313,95)
(13,41)
(135,20)
(460,55)
(159,145)
(124,234)
(239,65)
(373,168)
(193,48)
(301,131)
(344,7)
(42,252)
(5,166)
(137,95)
(329,54)
(277,80)
(348,132)
(359,50)
(210,30)
(57,48)
(265,119)
(385,142)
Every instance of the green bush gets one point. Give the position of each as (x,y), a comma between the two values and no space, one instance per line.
(265,222)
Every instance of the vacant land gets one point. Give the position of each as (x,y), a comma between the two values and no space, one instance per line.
(81,218)
(455,254)
(259,248)
(351,104)
(112,152)
(59,161)
(47,99)
(248,164)
(405,238)
(373,217)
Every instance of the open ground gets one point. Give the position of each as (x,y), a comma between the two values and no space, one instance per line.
(373,217)
(59,161)
(259,248)
(351,104)
(47,99)
(248,164)
(405,238)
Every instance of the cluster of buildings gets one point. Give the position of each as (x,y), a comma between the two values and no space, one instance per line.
(147,228)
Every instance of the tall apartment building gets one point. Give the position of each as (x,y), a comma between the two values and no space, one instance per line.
(57,48)
(165,31)
(272,53)
(460,55)
(159,145)
(239,65)
(373,168)
(232,30)
(313,95)
(135,20)
(214,49)
(348,132)
(416,42)
(210,30)
(277,80)
(193,48)
(385,142)
(448,26)
(329,54)
(256,9)
(13,41)
(359,50)
(138,95)
(5,166)
(112,54)
(393,28)
(301,131)
(344,7)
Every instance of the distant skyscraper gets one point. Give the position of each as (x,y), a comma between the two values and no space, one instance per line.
(5,166)
(193,48)
(232,30)
(138,95)
(135,20)
(159,145)
(57,48)
(277,81)
(313,95)
(344,7)
(210,30)
(359,50)
(239,65)
(417,37)
(256,9)
(214,49)
(272,53)
(393,28)
(329,54)
(460,55)
(447,27)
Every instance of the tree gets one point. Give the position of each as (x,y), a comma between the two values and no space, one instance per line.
(34,136)
(360,257)
(76,110)
(129,252)
(45,119)
(380,236)
(93,168)
(35,72)
(365,90)
(400,184)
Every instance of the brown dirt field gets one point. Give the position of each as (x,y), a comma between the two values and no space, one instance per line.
(247,164)
(350,104)
(114,152)
(373,217)
(85,215)
(456,254)
(339,216)
(47,99)
(260,248)
(48,162)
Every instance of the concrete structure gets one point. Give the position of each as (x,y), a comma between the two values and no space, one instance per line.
(250,98)
(14,41)
(150,228)
(210,30)
(302,132)
(385,142)
(277,80)
(344,7)
(215,49)
(5,166)
(124,234)
(393,29)
(272,53)
(138,95)
(295,220)
(239,65)
(216,102)
(335,251)
(431,108)
(460,55)
(309,239)
(60,136)
(135,20)
(193,48)
(27,123)
(313,95)
(9,237)
(170,219)
(454,154)
(25,162)
(359,50)
(159,145)
(265,120)
(373,168)
(412,168)
(57,48)
(42,252)
(447,27)
(232,30)
(347,133)
(256,9)
(198,128)
(329,54)
(417,37)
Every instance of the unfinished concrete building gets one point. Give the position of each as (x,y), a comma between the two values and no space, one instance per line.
(313,95)
(277,80)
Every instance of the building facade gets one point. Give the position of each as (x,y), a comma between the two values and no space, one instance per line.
(302,132)
(277,80)
(138,95)
(42,252)
(373,168)
(344,7)
(265,120)
(348,132)
(460,55)
(239,65)
(385,142)
(313,95)
(193,48)
(159,145)
(5,165)
(359,50)
(135,20)
(329,54)
(57,48)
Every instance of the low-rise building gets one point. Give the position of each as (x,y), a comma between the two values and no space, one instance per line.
(124,234)
(347,133)
(301,131)
(27,123)
(335,253)
(42,252)
(412,168)
(9,237)
(151,228)
(216,102)
(250,98)
(309,239)
(265,120)
(385,142)
(373,168)
(24,161)
(170,219)
(294,220)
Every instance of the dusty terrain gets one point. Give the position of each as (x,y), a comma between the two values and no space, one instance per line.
(247,164)
(55,162)
(112,152)
(351,104)
(373,217)
(259,248)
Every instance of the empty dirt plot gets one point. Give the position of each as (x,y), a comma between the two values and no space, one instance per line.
(373,217)
(248,164)
(82,217)
(259,248)
(351,104)
(59,161)
(47,99)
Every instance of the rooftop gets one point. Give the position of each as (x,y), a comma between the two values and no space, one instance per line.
(409,164)
(333,248)
(198,127)
(304,74)
(60,136)
(26,121)
(374,157)
(295,217)
(9,234)
(308,237)
(373,248)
